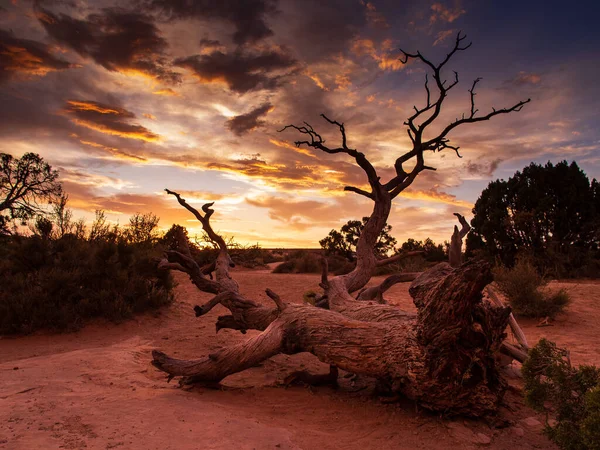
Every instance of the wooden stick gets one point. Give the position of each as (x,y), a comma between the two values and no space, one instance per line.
(514,326)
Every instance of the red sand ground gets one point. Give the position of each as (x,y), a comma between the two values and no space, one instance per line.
(96,388)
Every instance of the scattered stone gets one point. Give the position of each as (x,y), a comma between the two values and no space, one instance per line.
(532,422)
(552,423)
(459,431)
(482,439)
(518,431)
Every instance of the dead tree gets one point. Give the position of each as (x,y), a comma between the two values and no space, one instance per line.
(442,357)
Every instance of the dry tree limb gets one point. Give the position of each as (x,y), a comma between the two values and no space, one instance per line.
(456,241)
(376,292)
(512,322)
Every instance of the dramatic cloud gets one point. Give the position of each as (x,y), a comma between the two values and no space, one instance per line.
(167,92)
(108,119)
(247,16)
(524,78)
(120,128)
(443,35)
(435,195)
(26,57)
(374,17)
(118,40)
(321,30)
(384,54)
(240,71)
(244,123)
(483,169)
(441,13)
(298,214)
(112,152)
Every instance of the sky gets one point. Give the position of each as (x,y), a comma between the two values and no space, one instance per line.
(127,98)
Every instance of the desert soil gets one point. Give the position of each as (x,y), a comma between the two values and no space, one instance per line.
(96,388)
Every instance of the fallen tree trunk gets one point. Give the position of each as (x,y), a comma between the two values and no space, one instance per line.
(443,357)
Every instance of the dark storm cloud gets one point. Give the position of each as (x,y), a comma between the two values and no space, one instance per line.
(244,123)
(107,119)
(485,169)
(247,16)
(26,57)
(118,40)
(318,30)
(241,71)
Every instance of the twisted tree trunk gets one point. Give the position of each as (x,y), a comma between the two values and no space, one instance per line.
(443,357)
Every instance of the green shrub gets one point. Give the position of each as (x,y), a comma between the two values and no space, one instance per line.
(571,394)
(526,290)
(58,284)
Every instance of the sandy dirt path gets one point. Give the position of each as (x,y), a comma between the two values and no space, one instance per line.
(96,388)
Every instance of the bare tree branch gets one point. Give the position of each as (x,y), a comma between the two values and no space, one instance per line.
(204,220)
(316,141)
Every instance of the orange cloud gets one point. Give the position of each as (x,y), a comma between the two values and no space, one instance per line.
(166,91)
(386,60)
(114,151)
(97,107)
(433,195)
(27,57)
(284,144)
(442,36)
(444,14)
(112,120)
(316,79)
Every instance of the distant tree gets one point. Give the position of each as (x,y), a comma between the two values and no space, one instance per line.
(100,230)
(62,217)
(431,250)
(550,208)
(174,236)
(344,242)
(26,183)
(142,228)
(43,227)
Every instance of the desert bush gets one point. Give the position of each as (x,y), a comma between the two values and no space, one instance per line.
(309,297)
(338,265)
(412,264)
(571,394)
(59,283)
(306,261)
(204,251)
(285,267)
(527,291)
(252,256)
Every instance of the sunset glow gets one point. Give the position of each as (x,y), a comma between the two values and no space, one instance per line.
(129,98)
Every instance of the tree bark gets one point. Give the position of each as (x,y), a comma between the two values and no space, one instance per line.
(443,357)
